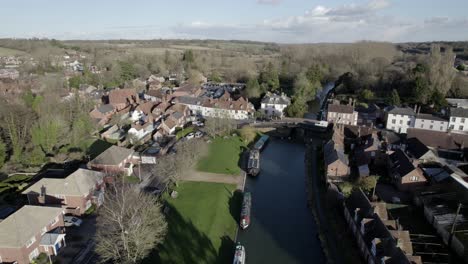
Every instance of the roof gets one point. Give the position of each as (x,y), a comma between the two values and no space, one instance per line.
(106,108)
(430,117)
(457,102)
(25,223)
(401,163)
(77,184)
(122,96)
(332,153)
(438,139)
(339,108)
(400,111)
(417,148)
(112,156)
(146,107)
(271,98)
(459,112)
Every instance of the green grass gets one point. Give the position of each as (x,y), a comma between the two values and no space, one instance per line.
(223,156)
(201,223)
(10,52)
(183,132)
(131,179)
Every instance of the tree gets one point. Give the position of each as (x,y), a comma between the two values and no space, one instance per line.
(219,126)
(215,77)
(46,133)
(3,153)
(75,81)
(195,77)
(127,71)
(188,56)
(366,95)
(421,89)
(314,74)
(253,89)
(129,225)
(248,134)
(461,67)
(17,122)
(269,78)
(394,98)
(297,109)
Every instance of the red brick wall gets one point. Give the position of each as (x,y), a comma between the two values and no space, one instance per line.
(21,255)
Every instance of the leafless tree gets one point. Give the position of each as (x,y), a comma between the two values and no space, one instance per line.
(129,225)
(219,126)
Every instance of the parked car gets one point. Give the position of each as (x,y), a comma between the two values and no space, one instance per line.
(72,221)
(199,134)
(190,136)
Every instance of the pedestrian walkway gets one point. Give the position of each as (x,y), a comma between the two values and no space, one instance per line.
(201,176)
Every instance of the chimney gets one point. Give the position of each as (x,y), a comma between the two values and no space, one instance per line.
(350,101)
(356,212)
(42,196)
(415,108)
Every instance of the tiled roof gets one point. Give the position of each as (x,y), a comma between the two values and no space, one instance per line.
(430,117)
(459,112)
(402,164)
(438,139)
(112,156)
(121,96)
(400,111)
(339,108)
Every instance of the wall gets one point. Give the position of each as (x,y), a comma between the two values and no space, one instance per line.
(456,122)
(399,123)
(427,124)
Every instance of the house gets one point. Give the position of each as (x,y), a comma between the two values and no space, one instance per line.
(458,119)
(431,122)
(140,130)
(405,175)
(30,231)
(154,85)
(368,116)
(342,114)
(12,74)
(102,113)
(142,111)
(419,151)
(76,193)
(336,162)
(122,98)
(379,239)
(159,95)
(168,126)
(457,103)
(222,107)
(113,133)
(188,90)
(152,78)
(273,105)
(399,119)
(114,160)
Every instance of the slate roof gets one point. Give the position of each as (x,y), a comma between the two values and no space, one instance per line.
(339,108)
(106,108)
(271,98)
(459,112)
(400,111)
(417,148)
(76,184)
(112,156)
(25,223)
(438,139)
(401,163)
(430,117)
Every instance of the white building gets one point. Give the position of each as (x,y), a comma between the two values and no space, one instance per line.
(399,119)
(223,107)
(458,119)
(273,105)
(431,122)
(342,114)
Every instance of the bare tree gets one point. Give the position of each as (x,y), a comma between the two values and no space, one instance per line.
(219,126)
(130,224)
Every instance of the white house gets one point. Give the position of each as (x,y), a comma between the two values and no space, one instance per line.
(458,119)
(399,119)
(223,107)
(431,122)
(342,114)
(273,105)
(138,132)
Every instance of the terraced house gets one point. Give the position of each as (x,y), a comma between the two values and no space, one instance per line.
(30,231)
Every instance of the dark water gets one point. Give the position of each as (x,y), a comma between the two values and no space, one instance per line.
(282,228)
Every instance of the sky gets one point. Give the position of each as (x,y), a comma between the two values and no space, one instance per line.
(282,21)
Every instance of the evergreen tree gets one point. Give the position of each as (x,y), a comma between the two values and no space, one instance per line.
(395,98)
(269,78)
(253,89)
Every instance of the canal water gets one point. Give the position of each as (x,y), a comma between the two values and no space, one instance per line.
(282,229)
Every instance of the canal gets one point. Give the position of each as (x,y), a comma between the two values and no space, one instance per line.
(282,228)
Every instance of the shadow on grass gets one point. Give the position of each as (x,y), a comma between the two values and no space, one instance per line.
(235,204)
(243,157)
(184,243)
(226,250)
(97,148)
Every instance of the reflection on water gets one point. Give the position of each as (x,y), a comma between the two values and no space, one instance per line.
(282,229)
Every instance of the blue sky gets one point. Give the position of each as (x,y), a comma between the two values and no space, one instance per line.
(285,21)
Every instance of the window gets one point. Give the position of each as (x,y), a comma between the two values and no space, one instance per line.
(452,126)
(431,127)
(409,122)
(401,122)
(453,119)
(463,120)
(422,125)
(31,241)
(414,178)
(441,128)
(34,254)
(460,128)
(393,121)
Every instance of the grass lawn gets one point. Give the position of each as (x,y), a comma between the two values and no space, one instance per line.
(183,132)
(223,156)
(201,224)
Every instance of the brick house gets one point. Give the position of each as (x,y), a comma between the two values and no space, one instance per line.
(102,113)
(114,160)
(405,175)
(122,98)
(30,231)
(75,193)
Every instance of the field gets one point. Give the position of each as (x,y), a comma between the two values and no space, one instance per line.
(223,156)
(201,225)
(10,52)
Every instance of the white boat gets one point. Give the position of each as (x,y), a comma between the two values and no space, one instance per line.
(239,255)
